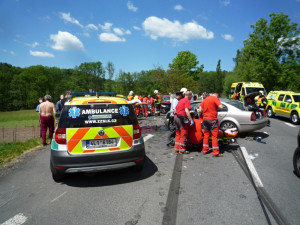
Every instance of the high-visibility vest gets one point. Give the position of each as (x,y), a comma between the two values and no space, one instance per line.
(145,100)
(158,98)
(129,97)
(259,101)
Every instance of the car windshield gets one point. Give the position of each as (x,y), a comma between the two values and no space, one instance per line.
(76,116)
(165,99)
(236,104)
(255,89)
(296,98)
(195,106)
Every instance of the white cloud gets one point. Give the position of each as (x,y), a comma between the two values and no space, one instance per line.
(106,27)
(67,17)
(131,7)
(41,54)
(110,37)
(92,27)
(156,27)
(136,28)
(224,2)
(33,45)
(118,31)
(86,34)
(128,32)
(227,37)
(178,7)
(65,41)
(12,53)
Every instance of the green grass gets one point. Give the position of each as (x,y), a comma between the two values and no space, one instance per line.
(9,151)
(22,118)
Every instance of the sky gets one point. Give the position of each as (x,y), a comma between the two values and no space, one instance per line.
(134,35)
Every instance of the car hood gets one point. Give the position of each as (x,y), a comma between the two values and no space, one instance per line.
(250,99)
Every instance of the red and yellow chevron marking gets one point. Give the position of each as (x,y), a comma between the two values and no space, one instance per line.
(76,138)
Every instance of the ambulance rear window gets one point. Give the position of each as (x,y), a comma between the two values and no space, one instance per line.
(76,116)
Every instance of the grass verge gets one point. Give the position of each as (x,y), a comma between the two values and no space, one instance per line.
(9,151)
(21,118)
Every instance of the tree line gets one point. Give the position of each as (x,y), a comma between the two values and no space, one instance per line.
(270,55)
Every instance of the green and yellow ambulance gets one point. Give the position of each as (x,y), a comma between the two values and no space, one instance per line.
(240,89)
(96,134)
(284,103)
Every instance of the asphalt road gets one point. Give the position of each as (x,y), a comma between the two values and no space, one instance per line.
(172,189)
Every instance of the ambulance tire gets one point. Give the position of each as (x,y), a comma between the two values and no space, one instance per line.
(270,112)
(296,161)
(57,175)
(295,118)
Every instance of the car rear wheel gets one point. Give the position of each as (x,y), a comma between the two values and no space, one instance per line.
(228,125)
(295,118)
(57,175)
(296,161)
(270,112)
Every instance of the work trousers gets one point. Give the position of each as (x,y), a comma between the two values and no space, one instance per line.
(210,127)
(172,130)
(181,135)
(145,109)
(47,122)
(157,109)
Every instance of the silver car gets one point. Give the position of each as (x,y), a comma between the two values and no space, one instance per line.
(236,114)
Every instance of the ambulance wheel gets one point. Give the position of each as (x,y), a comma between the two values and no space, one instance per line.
(295,118)
(57,175)
(296,161)
(270,112)
(227,125)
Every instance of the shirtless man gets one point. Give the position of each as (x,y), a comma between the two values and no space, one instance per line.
(47,109)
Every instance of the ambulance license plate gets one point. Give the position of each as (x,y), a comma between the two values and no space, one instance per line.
(102,143)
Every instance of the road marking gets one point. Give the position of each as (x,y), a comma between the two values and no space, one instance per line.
(291,125)
(16,220)
(147,137)
(58,197)
(252,169)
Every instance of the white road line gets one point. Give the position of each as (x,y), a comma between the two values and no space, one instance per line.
(291,125)
(16,220)
(147,137)
(257,180)
(58,197)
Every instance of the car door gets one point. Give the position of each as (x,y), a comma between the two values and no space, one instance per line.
(279,104)
(287,105)
(222,113)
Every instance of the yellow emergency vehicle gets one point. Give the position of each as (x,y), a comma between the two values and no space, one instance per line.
(284,103)
(240,89)
(95,134)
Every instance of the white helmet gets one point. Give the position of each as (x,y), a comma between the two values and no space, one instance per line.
(155,91)
(183,90)
(130,93)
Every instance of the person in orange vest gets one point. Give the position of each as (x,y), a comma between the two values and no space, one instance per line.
(157,102)
(130,96)
(182,121)
(151,102)
(261,101)
(209,109)
(145,106)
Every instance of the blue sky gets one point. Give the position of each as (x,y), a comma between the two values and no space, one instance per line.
(135,35)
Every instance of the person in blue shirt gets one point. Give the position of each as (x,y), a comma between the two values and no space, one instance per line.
(38,110)
(171,135)
(59,104)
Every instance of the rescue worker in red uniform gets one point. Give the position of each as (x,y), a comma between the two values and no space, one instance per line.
(151,102)
(145,106)
(209,109)
(182,120)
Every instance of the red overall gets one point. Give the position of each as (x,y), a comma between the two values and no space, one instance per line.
(151,101)
(145,106)
(182,125)
(210,123)
(47,121)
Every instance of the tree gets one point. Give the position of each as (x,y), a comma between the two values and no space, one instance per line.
(271,54)
(219,78)
(111,70)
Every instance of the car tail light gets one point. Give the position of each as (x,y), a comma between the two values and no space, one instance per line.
(60,136)
(137,133)
(253,117)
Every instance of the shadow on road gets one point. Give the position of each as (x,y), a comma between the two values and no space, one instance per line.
(110,178)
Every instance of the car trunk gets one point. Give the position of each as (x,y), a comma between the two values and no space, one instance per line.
(250,105)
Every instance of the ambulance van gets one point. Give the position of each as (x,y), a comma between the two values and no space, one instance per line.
(240,89)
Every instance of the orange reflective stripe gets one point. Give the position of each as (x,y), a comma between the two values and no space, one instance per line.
(88,151)
(124,134)
(114,149)
(76,138)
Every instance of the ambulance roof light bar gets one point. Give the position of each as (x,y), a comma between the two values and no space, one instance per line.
(93,93)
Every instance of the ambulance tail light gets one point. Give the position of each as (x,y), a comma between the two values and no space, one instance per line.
(61,136)
(253,117)
(137,132)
